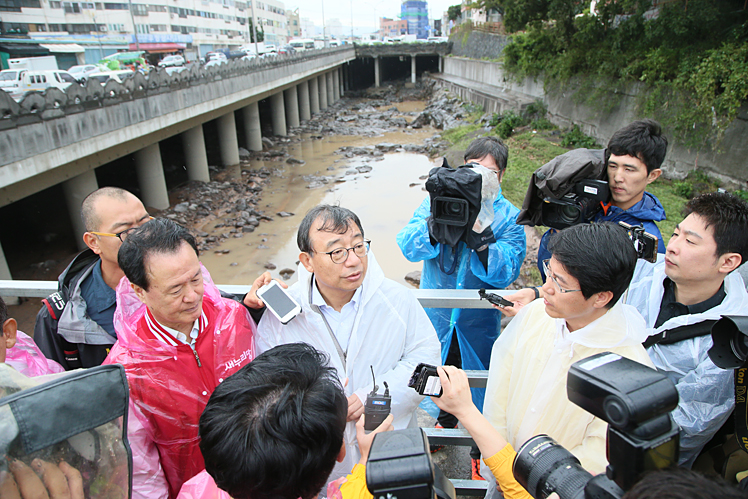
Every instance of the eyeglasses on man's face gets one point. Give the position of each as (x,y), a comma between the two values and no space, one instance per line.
(552,276)
(122,235)
(340,255)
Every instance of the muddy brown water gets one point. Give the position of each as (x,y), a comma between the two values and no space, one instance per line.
(384,199)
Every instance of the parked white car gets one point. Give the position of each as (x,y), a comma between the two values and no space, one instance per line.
(104,76)
(175,69)
(10,79)
(215,62)
(81,72)
(217,56)
(171,61)
(39,81)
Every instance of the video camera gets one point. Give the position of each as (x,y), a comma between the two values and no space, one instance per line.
(568,190)
(636,401)
(461,208)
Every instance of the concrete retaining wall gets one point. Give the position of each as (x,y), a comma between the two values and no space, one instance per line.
(478,45)
(728,165)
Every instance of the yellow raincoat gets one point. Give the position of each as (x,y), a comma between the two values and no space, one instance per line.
(526,393)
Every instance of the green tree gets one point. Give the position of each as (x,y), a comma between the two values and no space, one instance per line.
(454,12)
(487,5)
(260,32)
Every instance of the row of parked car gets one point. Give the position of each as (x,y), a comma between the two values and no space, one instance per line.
(19,82)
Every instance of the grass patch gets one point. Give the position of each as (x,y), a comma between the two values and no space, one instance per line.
(461,136)
(527,153)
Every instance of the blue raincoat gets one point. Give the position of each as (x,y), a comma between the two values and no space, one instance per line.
(476,329)
(647,211)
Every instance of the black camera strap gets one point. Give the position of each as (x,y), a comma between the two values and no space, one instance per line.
(741,414)
(680,333)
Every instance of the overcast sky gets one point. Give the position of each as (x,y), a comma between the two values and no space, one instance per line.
(365,12)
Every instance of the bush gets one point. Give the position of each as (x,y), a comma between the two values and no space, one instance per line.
(509,121)
(575,138)
(693,55)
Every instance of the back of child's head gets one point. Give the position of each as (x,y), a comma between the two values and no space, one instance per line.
(274,429)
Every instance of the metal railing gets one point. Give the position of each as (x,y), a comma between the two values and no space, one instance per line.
(428,298)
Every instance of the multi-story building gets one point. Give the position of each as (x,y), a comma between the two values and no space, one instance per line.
(392,27)
(416,12)
(160,26)
(272,15)
(293,23)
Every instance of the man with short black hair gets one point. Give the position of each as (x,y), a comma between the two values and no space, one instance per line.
(466,335)
(177,340)
(581,315)
(75,326)
(635,154)
(680,296)
(362,320)
(275,428)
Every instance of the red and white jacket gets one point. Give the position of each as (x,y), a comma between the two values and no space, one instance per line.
(170,383)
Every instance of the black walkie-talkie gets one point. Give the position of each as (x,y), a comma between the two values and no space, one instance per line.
(377,406)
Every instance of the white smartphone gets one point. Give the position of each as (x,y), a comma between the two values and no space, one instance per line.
(279,302)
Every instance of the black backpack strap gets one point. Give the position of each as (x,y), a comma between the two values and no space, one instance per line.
(55,304)
(680,333)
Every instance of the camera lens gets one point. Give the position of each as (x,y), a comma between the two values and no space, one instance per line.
(454,208)
(542,467)
(569,213)
(739,346)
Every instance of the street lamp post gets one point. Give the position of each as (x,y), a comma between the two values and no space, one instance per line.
(254,27)
(324,35)
(134,28)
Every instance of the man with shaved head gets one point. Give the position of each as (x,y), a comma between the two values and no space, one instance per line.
(75,325)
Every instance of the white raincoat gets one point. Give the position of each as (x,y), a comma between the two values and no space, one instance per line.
(391,332)
(707,393)
(526,392)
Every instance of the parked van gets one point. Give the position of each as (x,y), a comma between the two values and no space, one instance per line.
(10,79)
(302,44)
(39,81)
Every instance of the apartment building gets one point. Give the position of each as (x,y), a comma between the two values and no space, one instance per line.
(193,27)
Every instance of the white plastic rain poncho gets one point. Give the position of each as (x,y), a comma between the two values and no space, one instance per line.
(391,332)
(707,393)
(526,392)
(476,329)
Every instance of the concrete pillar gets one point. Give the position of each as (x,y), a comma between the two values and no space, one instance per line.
(252,127)
(330,89)
(441,64)
(376,71)
(322,83)
(151,177)
(413,69)
(227,139)
(346,83)
(336,80)
(5,276)
(291,99)
(314,95)
(279,114)
(195,155)
(76,189)
(305,112)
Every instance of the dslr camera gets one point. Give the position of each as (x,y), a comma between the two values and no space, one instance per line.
(636,401)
